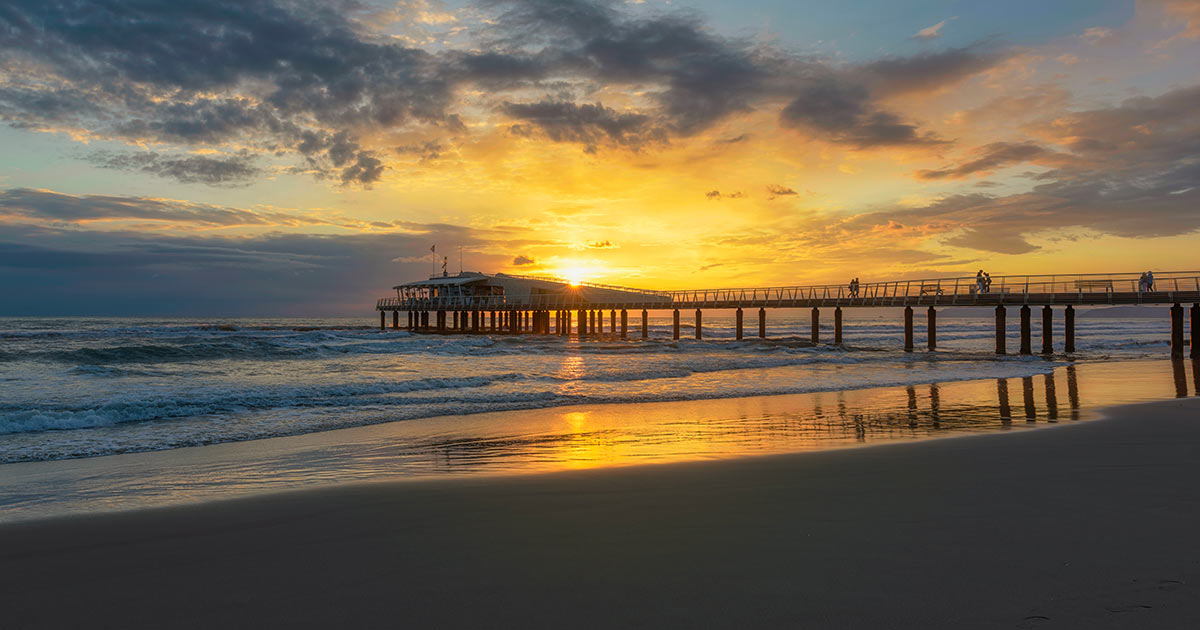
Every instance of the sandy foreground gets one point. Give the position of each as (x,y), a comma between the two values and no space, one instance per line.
(1087,525)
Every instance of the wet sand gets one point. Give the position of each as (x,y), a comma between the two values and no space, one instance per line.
(1084,525)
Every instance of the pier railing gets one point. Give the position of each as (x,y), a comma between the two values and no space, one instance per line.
(1112,288)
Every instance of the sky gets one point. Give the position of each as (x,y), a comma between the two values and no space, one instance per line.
(299,158)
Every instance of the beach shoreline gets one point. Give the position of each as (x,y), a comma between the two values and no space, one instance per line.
(1087,527)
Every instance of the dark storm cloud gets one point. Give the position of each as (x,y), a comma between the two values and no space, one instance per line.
(930,71)
(590,125)
(841,110)
(303,78)
(233,170)
(207,71)
(48,205)
(989,157)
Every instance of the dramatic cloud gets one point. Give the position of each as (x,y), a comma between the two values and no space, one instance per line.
(234,170)
(589,125)
(930,71)
(841,111)
(989,158)
(54,206)
(522,261)
(303,79)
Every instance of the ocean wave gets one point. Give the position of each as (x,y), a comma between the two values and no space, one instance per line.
(137,408)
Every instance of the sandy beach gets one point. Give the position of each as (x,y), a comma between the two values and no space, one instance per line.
(1086,525)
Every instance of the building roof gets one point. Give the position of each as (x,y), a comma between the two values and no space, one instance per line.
(464,278)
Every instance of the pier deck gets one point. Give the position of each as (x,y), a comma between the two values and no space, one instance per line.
(504,303)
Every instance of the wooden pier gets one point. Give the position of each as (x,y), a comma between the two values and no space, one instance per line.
(505,303)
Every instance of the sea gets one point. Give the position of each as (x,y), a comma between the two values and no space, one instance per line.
(95,389)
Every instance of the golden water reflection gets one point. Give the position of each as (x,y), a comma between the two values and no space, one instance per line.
(664,432)
(590,436)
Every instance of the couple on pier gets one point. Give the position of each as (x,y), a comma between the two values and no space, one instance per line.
(1146,282)
(983,282)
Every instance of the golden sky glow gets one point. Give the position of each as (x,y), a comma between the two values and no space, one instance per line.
(646,144)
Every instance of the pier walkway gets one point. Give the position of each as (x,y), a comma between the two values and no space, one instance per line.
(480,303)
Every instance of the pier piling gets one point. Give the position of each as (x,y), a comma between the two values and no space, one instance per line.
(816,325)
(1177,332)
(1001,332)
(382,320)
(738,317)
(908,329)
(837,326)
(612,321)
(1195,351)
(762,323)
(675,326)
(1047,330)
(645,324)
(582,328)
(1026,330)
(1069,329)
(624,324)
(699,326)
(931,327)
(396,320)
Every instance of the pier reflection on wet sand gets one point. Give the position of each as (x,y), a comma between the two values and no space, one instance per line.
(776,424)
(589,436)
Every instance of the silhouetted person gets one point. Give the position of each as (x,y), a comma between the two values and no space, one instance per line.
(979,281)
(1149,280)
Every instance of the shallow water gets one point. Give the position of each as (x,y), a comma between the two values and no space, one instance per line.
(587,436)
(79,388)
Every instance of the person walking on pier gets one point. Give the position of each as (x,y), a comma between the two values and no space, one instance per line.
(987,282)
(854,288)
(1149,280)
(979,281)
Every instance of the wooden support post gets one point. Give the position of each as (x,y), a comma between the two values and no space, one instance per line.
(1177,332)
(645,324)
(1195,350)
(441,321)
(675,330)
(1001,329)
(612,321)
(931,327)
(908,329)
(1069,329)
(1026,330)
(410,320)
(738,317)
(1047,330)
(456,327)
(699,326)
(382,320)
(762,323)
(396,320)
(566,330)
(624,324)
(837,326)
(816,325)
(582,329)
